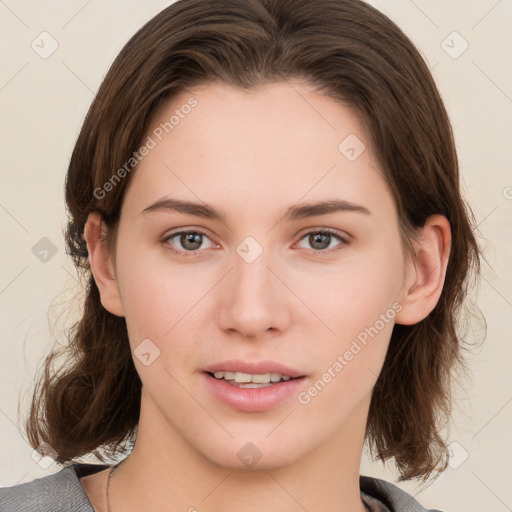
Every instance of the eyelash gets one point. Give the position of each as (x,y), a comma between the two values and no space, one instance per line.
(313,232)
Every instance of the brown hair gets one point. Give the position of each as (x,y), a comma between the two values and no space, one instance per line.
(352,53)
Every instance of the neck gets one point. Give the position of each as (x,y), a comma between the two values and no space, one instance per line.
(165,473)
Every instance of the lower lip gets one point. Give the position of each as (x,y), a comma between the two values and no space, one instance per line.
(253,399)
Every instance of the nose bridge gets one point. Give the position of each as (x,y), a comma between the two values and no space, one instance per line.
(251,300)
(252,279)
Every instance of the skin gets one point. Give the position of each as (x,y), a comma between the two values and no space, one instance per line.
(252,154)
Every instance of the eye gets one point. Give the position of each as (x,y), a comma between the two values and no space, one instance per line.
(320,240)
(190,241)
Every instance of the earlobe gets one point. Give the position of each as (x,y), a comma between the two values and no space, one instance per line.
(425,276)
(101,265)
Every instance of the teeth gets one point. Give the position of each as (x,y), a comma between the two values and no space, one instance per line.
(247,378)
(243,377)
(254,385)
(260,379)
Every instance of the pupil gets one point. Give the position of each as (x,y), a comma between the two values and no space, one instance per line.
(193,238)
(320,237)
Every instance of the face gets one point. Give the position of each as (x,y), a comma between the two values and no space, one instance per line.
(263,284)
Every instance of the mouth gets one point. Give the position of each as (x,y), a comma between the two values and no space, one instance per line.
(251,381)
(252,386)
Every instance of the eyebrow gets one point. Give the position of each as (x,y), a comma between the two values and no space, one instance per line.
(293,213)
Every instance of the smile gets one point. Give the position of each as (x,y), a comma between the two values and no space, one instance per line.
(247,380)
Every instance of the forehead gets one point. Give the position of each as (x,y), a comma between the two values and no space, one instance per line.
(269,145)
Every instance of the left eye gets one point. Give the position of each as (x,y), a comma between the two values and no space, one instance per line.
(321,240)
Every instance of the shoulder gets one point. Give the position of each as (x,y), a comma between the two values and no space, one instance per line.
(396,499)
(60,492)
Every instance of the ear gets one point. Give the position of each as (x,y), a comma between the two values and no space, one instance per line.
(101,264)
(425,275)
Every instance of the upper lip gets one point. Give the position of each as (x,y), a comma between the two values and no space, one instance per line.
(253,368)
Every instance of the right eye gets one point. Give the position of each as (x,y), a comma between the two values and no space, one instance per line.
(190,241)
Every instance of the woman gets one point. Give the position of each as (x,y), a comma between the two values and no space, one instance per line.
(303,151)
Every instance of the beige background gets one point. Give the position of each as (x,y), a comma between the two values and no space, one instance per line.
(43,102)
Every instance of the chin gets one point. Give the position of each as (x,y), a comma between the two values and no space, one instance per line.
(272,462)
(250,452)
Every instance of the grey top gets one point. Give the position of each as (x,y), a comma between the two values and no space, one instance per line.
(63,492)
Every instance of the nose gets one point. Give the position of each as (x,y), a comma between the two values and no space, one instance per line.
(252,298)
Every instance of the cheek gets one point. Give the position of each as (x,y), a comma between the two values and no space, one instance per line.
(351,296)
(357,306)
(155,293)
(349,362)
(162,303)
